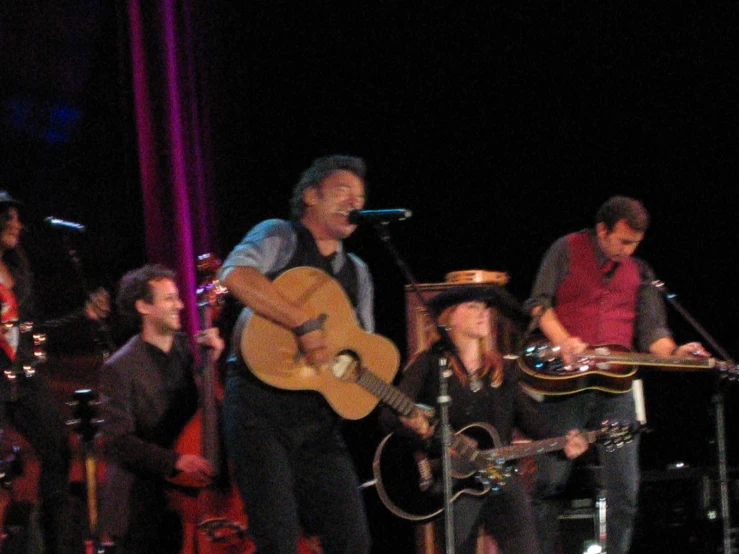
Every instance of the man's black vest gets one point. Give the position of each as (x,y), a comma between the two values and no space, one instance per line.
(307,254)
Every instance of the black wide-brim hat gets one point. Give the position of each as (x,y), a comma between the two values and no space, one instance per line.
(6,199)
(493,295)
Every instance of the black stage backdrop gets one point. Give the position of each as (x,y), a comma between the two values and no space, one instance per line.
(500,126)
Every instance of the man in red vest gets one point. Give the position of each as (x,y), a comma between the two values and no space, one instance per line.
(590,290)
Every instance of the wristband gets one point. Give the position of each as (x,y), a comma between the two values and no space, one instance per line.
(313,324)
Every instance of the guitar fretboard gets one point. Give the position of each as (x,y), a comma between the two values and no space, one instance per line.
(481,458)
(387,393)
(522,450)
(631,358)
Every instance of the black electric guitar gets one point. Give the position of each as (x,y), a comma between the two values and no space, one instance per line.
(86,423)
(409,476)
(606,367)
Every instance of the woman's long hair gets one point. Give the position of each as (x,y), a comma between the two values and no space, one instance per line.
(492,360)
(17,263)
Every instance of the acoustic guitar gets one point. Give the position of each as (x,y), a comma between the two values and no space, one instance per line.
(409,473)
(361,366)
(605,367)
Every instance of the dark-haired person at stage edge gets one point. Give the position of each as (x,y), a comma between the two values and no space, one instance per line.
(485,390)
(149,393)
(290,461)
(27,402)
(590,290)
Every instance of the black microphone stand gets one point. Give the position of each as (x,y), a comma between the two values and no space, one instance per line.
(718,402)
(105,340)
(445,348)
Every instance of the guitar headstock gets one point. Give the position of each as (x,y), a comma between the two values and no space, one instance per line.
(728,370)
(614,435)
(211,292)
(84,405)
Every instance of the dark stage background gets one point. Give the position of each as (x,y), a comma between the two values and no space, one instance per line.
(500,126)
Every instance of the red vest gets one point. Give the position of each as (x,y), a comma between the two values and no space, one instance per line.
(596,309)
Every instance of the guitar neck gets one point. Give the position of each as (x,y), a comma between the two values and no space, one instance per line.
(390,395)
(632,358)
(209,436)
(481,458)
(515,451)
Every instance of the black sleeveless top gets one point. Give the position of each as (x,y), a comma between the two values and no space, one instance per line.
(307,255)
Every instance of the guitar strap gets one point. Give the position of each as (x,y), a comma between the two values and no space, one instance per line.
(8,314)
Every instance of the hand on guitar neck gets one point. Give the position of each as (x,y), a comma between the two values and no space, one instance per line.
(211,341)
(690,349)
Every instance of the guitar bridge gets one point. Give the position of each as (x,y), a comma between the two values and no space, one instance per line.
(495,476)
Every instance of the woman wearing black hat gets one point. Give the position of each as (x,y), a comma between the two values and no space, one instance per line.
(25,401)
(483,389)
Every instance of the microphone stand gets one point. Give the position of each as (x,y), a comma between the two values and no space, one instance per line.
(718,402)
(444,348)
(105,339)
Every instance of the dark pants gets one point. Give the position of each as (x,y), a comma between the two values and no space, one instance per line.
(153,525)
(620,467)
(506,515)
(292,476)
(36,416)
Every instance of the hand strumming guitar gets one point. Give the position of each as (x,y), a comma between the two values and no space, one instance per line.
(312,341)
(570,348)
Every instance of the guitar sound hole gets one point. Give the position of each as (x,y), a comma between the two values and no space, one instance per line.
(345,365)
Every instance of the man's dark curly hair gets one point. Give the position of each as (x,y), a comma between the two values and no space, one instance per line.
(317,172)
(630,210)
(136,285)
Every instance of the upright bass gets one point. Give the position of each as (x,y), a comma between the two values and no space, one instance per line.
(213,517)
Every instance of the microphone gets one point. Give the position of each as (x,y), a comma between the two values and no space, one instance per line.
(378,216)
(62,225)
